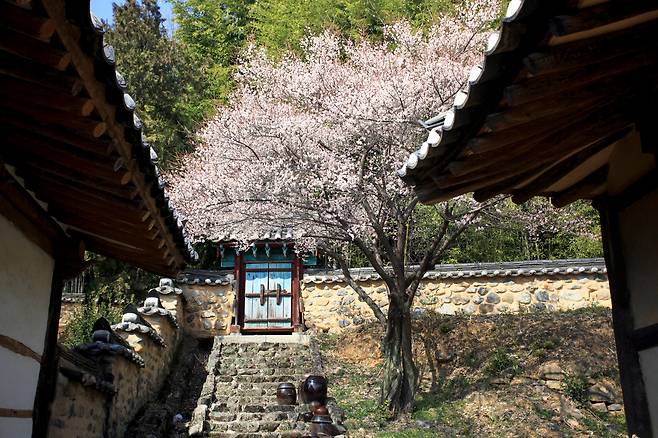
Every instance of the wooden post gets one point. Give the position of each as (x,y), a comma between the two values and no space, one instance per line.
(48,373)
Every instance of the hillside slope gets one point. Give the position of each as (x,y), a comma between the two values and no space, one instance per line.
(526,375)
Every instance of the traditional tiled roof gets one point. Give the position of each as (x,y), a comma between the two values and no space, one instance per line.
(132,321)
(475,270)
(104,341)
(82,369)
(206,277)
(72,137)
(560,83)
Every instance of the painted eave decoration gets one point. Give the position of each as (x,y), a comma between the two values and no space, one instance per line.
(561,82)
(71,136)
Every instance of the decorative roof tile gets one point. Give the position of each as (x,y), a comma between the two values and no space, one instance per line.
(475,270)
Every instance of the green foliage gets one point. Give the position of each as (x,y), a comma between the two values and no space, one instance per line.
(109,285)
(167,83)
(530,231)
(439,409)
(502,361)
(111,280)
(576,387)
(98,303)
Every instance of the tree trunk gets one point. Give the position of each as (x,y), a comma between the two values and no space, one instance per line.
(400,374)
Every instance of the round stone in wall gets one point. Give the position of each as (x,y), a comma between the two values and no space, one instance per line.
(493,298)
(541,295)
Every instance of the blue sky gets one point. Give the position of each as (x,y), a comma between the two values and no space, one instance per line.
(103,9)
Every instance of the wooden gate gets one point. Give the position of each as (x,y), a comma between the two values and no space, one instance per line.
(269,296)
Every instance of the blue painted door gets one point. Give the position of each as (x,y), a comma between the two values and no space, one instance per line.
(268,295)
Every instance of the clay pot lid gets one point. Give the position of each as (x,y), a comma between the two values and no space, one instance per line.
(286,386)
(321,410)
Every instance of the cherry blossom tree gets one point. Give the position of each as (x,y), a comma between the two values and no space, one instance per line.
(311,143)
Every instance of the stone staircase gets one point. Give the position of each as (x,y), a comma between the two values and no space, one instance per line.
(238,399)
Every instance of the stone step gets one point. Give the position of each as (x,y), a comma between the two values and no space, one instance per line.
(279,434)
(276,377)
(252,408)
(253,416)
(266,363)
(239,387)
(257,426)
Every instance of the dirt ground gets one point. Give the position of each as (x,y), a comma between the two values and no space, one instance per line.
(487,376)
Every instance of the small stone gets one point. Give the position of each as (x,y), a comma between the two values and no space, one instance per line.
(571,295)
(460,300)
(541,295)
(554,384)
(493,298)
(568,409)
(500,381)
(483,291)
(357,320)
(522,381)
(599,407)
(208,314)
(469,309)
(525,298)
(486,308)
(538,307)
(551,370)
(471,290)
(447,309)
(615,407)
(478,300)
(344,323)
(341,292)
(348,300)
(419,311)
(602,392)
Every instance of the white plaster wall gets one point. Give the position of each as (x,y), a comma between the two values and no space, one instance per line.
(25,282)
(639,235)
(649,365)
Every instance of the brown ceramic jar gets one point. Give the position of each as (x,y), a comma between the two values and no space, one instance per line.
(286,394)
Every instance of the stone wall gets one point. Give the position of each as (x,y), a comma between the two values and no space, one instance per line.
(330,305)
(208,306)
(102,385)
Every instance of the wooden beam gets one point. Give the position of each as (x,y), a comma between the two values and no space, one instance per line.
(589,187)
(25,70)
(34,94)
(585,52)
(505,178)
(38,153)
(97,146)
(26,21)
(536,88)
(599,15)
(68,176)
(561,142)
(18,347)
(107,229)
(85,66)
(574,102)
(560,169)
(37,51)
(638,419)
(20,208)
(645,337)
(40,114)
